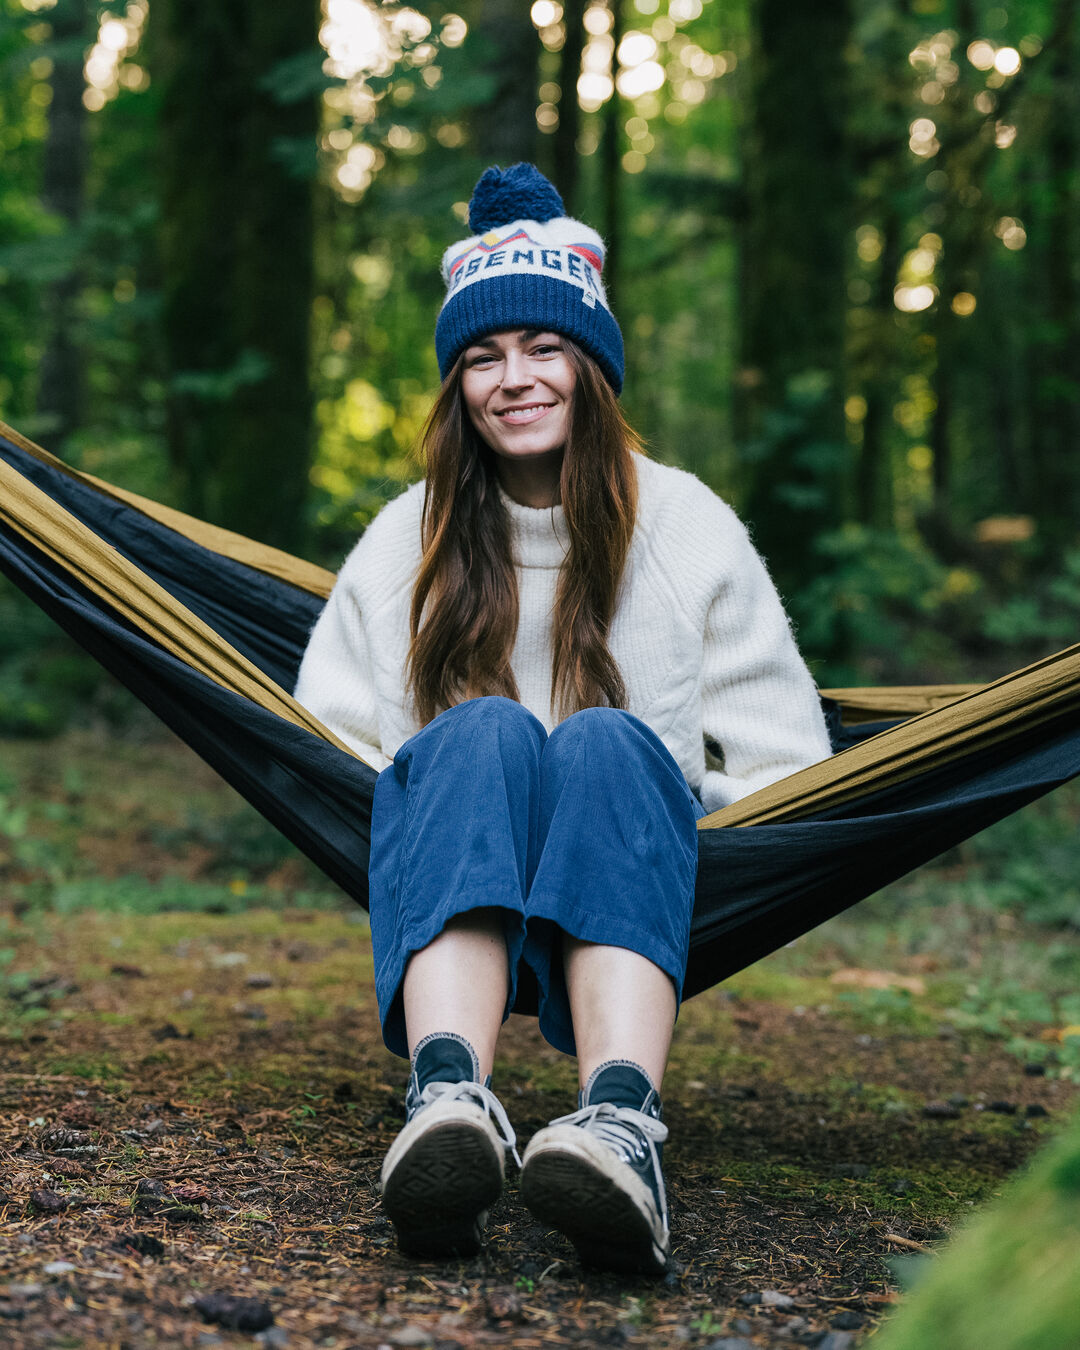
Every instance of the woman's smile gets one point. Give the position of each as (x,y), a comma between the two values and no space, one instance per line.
(526,412)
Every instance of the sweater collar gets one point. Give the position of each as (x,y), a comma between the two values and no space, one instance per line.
(538,535)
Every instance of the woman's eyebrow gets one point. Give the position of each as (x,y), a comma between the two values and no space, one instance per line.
(527,335)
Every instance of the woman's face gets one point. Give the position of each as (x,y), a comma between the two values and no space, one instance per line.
(518,388)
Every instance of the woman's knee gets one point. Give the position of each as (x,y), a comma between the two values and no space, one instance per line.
(606,726)
(495,719)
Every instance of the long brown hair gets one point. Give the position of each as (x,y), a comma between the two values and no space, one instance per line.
(464,613)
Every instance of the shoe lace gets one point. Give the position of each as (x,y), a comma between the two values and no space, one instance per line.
(634,1135)
(481,1096)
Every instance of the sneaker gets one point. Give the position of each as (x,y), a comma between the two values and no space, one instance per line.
(596,1175)
(445,1169)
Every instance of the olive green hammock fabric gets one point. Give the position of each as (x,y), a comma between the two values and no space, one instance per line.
(208,628)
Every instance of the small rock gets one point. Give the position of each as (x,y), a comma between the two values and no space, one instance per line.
(795,1326)
(853,1170)
(1035,1109)
(209,1338)
(131,972)
(411,1334)
(59,1268)
(1035,1070)
(941,1111)
(225,960)
(259,981)
(742,1326)
(25,1290)
(847,1321)
(273,1336)
(836,1340)
(750,1299)
(255,1012)
(772,1298)
(731,1343)
(1002,1108)
(44,1201)
(234,1313)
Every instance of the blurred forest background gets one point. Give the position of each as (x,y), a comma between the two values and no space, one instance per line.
(844,250)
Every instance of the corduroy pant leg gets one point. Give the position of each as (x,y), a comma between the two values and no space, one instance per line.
(617,854)
(454,827)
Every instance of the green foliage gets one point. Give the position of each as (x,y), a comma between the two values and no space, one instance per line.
(873,600)
(139,896)
(1011,1279)
(882,598)
(45,681)
(1043,613)
(241,843)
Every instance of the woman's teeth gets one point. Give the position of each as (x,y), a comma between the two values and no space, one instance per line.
(524,414)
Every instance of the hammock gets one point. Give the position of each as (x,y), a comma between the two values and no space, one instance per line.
(207,628)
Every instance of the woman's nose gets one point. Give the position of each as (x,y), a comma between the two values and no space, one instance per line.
(516,372)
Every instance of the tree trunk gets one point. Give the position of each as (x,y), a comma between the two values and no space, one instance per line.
(505,129)
(873,480)
(566,134)
(611,168)
(63,187)
(236,242)
(1057,380)
(799,192)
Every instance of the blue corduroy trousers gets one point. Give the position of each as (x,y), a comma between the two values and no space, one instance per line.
(589,831)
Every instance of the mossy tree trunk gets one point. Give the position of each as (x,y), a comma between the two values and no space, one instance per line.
(799,184)
(1056,428)
(236,242)
(63,189)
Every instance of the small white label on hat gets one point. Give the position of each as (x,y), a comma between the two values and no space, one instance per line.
(589,299)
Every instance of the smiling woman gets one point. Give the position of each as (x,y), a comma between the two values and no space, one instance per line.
(537,642)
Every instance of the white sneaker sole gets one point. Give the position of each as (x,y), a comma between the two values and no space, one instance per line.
(581,1187)
(441,1175)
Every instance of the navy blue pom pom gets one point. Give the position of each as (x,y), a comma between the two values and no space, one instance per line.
(520,192)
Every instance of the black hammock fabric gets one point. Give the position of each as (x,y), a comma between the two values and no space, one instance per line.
(758,887)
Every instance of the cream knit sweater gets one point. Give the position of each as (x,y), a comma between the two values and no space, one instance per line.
(699,633)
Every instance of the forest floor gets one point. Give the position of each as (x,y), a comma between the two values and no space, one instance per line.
(195,1099)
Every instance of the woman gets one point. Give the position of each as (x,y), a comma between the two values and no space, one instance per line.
(535,646)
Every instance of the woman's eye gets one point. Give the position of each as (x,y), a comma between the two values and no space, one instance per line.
(546,350)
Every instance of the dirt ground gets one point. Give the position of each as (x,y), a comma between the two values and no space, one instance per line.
(195,1107)
(192,1125)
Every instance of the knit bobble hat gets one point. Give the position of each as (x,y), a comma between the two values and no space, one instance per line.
(527,265)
